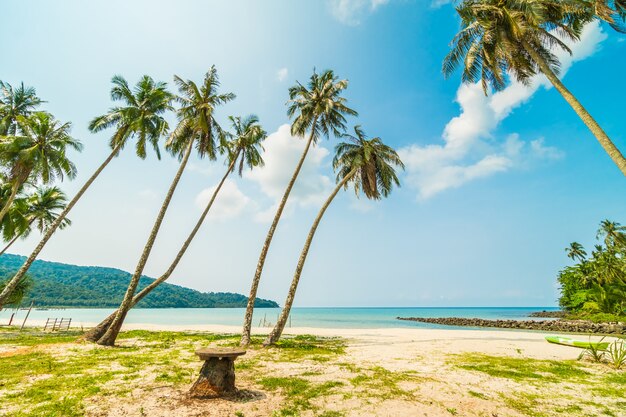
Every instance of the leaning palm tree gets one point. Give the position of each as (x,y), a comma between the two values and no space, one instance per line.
(41,210)
(614,234)
(319,109)
(369,165)
(518,37)
(611,11)
(197,128)
(243,150)
(140,117)
(38,153)
(15,102)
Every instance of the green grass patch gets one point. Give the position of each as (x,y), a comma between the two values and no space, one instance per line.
(521,369)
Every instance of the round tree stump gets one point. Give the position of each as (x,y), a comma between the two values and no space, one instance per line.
(217,376)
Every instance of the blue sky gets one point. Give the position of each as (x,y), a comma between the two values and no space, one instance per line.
(495,187)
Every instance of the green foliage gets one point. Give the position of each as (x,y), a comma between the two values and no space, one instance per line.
(594,352)
(616,354)
(596,284)
(18,295)
(63,285)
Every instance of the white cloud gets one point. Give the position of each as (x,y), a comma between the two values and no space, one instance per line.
(281,74)
(351,12)
(469,151)
(229,203)
(281,155)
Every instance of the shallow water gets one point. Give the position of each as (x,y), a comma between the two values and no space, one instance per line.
(319,317)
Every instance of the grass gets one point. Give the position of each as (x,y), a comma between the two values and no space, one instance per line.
(550,388)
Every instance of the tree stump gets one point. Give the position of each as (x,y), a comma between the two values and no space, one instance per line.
(217,376)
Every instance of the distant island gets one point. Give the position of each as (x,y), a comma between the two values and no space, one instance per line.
(63,285)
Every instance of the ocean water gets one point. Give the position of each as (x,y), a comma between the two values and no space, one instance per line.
(321,317)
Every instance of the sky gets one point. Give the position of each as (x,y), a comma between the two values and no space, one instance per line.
(494,189)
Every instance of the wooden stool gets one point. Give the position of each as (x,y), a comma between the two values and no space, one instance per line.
(217,376)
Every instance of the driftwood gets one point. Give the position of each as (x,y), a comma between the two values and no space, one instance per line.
(217,376)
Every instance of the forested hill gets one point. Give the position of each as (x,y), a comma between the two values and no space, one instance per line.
(63,285)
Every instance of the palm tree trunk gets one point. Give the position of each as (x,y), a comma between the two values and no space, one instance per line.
(9,244)
(98,331)
(598,132)
(8,289)
(284,314)
(247,325)
(30,222)
(14,189)
(108,339)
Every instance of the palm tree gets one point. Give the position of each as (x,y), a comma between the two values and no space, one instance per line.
(518,37)
(41,209)
(319,109)
(38,152)
(576,251)
(141,117)
(611,11)
(369,165)
(614,234)
(196,127)
(15,102)
(243,150)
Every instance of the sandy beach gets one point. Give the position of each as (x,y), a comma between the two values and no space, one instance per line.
(375,372)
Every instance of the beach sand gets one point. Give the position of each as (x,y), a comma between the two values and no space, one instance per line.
(393,372)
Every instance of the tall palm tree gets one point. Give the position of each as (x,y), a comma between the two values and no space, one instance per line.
(197,128)
(140,117)
(38,152)
(40,209)
(243,150)
(611,11)
(614,234)
(15,102)
(576,251)
(518,37)
(369,165)
(319,109)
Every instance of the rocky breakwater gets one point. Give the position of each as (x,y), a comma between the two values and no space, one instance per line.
(570,326)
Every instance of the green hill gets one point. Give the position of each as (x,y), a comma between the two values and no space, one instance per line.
(63,285)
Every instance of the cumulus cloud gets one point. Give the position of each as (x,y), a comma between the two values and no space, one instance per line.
(281,74)
(469,151)
(281,155)
(229,203)
(351,12)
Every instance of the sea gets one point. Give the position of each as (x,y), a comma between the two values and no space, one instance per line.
(316,317)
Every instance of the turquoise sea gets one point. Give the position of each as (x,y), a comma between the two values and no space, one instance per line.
(324,317)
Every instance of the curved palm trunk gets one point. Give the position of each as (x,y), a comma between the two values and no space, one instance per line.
(108,339)
(15,239)
(247,324)
(598,132)
(14,189)
(8,289)
(284,314)
(98,331)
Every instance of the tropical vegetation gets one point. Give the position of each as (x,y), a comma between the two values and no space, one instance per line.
(502,39)
(54,284)
(595,285)
(319,109)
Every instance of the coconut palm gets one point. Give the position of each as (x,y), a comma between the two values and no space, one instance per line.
(369,165)
(519,37)
(611,11)
(243,150)
(576,251)
(197,128)
(140,117)
(319,109)
(614,235)
(19,292)
(37,153)
(40,209)
(15,102)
